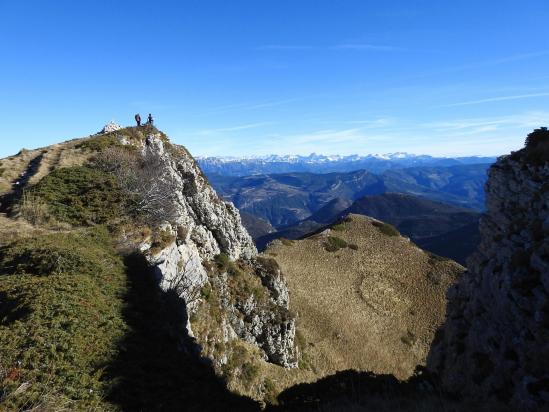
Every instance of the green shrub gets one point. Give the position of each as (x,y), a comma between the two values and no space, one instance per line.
(34,209)
(269,264)
(81,196)
(240,362)
(338,227)
(225,264)
(98,143)
(333,244)
(60,319)
(537,137)
(54,254)
(386,228)
(536,149)
(287,242)
(162,239)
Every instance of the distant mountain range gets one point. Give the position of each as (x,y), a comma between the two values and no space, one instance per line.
(315,163)
(436,206)
(288,198)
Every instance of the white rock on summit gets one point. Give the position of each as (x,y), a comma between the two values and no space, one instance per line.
(110,127)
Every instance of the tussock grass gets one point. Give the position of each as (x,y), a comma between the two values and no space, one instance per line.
(34,209)
(225,264)
(162,239)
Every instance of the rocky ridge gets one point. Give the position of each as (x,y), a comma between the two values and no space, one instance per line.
(204,227)
(495,343)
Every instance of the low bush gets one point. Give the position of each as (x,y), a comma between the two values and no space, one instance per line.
(338,227)
(287,242)
(536,150)
(145,181)
(225,264)
(162,239)
(386,228)
(33,209)
(98,143)
(269,264)
(333,244)
(60,319)
(81,196)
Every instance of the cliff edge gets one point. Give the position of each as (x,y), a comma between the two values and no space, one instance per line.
(495,342)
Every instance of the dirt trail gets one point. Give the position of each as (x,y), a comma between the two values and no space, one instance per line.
(19,184)
(49,162)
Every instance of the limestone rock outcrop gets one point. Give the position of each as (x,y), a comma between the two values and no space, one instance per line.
(110,127)
(199,227)
(495,342)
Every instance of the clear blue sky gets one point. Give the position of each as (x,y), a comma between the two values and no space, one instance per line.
(245,77)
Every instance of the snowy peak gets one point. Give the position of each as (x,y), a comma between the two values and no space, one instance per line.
(319,163)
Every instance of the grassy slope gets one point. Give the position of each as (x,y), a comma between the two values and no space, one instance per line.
(61,318)
(81,326)
(375,308)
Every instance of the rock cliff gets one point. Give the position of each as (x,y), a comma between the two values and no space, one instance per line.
(199,227)
(495,343)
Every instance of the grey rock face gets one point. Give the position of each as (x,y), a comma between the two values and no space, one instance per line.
(495,343)
(203,226)
(210,224)
(265,323)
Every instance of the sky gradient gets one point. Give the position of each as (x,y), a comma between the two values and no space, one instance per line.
(279,76)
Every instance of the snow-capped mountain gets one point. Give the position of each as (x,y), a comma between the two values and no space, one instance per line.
(318,163)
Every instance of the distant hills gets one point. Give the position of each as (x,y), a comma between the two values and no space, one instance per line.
(288,198)
(315,163)
(440,228)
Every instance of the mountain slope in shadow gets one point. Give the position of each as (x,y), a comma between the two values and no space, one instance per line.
(443,229)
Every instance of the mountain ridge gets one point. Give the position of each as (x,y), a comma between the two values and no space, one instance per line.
(315,163)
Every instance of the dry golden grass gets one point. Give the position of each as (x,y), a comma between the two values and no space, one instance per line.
(12,229)
(12,167)
(59,155)
(372,309)
(375,308)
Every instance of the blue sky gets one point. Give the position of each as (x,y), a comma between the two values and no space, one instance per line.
(279,76)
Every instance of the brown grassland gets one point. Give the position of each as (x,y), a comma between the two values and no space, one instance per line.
(375,308)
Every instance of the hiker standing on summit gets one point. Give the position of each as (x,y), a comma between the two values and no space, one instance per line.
(138,119)
(150,120)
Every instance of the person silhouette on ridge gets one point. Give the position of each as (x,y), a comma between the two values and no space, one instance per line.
(150,120)
(138,119)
